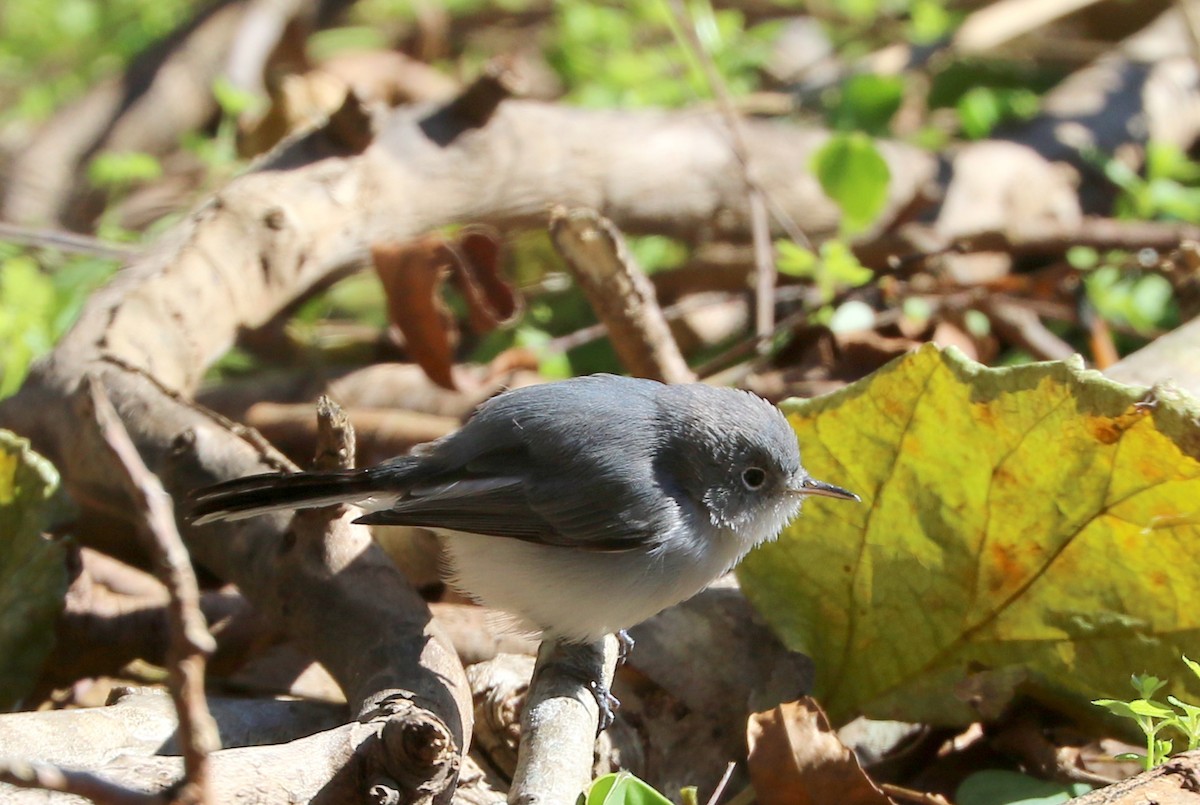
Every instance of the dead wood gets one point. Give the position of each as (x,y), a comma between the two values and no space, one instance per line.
(620,293)
(341,765)
(142,722)
(1148,88)
(1176,782)
(1169,358)
(382,433)
(115,614)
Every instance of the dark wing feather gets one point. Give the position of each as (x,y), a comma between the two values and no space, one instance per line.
(562,465)
(502,507)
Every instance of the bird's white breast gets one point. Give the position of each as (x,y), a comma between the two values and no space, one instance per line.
(579,595)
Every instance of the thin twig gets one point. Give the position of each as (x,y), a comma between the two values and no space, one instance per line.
(49,777)
(66,242)
(720,789)
(910,246)
(760,229)
(190,641)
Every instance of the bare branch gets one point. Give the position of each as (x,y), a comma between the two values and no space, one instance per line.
(620,293)
(190,644)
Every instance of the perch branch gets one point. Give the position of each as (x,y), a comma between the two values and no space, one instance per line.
(558,723)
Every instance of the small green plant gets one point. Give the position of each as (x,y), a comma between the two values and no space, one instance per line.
(832,268)
(855,176)
(1170,189)
(1124,291)
(621,788)
(39,300)
(981,109)
(1154,718)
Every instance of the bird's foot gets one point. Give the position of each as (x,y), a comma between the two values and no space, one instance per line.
(625,645)
(607,702)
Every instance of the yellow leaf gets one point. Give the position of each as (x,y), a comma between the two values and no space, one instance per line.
(1029,525)
(33,574)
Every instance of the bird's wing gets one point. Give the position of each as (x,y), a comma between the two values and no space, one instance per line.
(517,496)
(569,464)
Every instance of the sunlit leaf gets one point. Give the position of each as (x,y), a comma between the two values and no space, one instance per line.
(622,788)
(855,175)
(33,576)
(1024,525)
(867,103)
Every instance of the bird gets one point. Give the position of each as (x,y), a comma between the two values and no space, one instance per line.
(578,507)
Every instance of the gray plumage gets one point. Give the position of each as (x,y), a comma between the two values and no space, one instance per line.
(579,507)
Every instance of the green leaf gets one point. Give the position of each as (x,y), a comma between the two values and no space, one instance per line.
(1168,161)
(841,265)
(622,788)
(118,168)
(232,99)
(978,112)
(1193,665)
(930,20)
(981,109)
(1116,707)
(1144,707)
(1142,301)
(1018,525)
(868,103)
(33,576)
(1000,787)
(1147,685)
(1083,257)
(795,260)
(854,174)
(551,363)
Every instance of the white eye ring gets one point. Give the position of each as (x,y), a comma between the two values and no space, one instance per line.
(754,478)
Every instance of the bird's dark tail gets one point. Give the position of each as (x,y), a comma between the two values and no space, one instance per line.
(262,494)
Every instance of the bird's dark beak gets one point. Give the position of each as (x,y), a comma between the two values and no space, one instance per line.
(811,486)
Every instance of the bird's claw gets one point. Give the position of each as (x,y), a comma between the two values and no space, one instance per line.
(607,702)
(625,644)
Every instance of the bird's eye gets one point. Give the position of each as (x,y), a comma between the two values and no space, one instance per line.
(754,477)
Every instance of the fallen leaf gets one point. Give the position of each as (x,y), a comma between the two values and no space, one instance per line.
(412,275)
(1033,522)
(491,301)
(33,575)
(796,759)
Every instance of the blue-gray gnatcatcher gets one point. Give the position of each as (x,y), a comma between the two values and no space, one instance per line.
(581,507)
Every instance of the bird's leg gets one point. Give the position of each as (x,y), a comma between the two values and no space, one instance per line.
(562,666)
(607,702)
(625,644)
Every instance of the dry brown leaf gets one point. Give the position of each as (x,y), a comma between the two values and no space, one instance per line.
(412,275)
(796,759)
(491,301)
